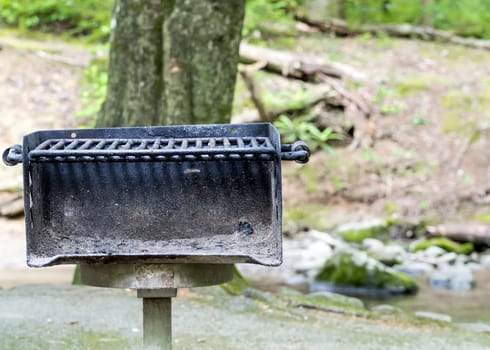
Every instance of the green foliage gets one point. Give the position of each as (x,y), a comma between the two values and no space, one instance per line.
(290,97)
(446,244)
(94,88)
(465,17)
(277,14)
(305,216)
(77,277)
(485,218)
(237,285)
(71,17)
(302,128)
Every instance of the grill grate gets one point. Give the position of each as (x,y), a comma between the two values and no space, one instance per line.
(158,149)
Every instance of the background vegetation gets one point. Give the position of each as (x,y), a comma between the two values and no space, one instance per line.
(91,18)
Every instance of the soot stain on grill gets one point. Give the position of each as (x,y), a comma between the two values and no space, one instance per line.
(245,228)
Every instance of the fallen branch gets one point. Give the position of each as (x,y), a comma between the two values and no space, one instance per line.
(13,206)
(307,68)
(61,59)
(291,65)
(247,75)
(358,110)
(341,28)
(467,232)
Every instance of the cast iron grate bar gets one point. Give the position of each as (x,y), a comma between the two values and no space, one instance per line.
(159,149)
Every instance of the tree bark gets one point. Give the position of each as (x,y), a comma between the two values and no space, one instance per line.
(172,62)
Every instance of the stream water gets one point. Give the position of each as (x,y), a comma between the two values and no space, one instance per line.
(472,306)
(464,307)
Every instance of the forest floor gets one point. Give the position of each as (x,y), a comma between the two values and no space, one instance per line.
(431,153)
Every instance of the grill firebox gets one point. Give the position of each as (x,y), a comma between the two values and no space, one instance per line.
(180,194)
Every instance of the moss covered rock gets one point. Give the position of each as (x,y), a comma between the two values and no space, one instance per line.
(353,268)
(446,244)
(383,229)
(331,302)
(357,232)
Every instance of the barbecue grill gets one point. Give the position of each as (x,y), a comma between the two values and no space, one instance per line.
(154,208)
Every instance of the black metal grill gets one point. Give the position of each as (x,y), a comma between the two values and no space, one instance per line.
(159,149)
(182,194)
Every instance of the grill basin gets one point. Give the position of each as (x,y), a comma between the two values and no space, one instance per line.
(180,194)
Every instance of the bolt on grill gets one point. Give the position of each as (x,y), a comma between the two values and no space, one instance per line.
(181,194)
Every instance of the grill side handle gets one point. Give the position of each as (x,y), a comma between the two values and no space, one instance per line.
(13,155)
(298,151)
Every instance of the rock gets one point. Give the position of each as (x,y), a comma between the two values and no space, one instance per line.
(288,292)
(12,208)
(326,238)
(458,278)
(303,256)
(385,309)
(312,257)
(414,268)
(373,245)
(448,258)
(433,252)
(391,255)
(307,252)
(475,327)
(485,260)
(439,279)
(337,299)
(474,266)
(434,316)
(297,281)
(462,280)
(387,254)
(353,268)
(357,232)
(331,302)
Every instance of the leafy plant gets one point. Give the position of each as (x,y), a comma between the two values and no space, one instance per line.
(89,18)
(302,128)
(465,17)
(273,12)
(94,88)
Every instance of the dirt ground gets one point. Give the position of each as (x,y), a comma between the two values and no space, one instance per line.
(431,153)
(39,90)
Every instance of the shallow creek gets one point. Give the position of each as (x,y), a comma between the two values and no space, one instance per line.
(471,306)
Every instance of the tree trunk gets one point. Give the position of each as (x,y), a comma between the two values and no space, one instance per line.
(172,62)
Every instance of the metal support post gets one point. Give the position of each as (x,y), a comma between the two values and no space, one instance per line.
(157,318)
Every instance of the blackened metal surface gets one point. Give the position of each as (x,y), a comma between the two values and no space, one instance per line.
(191,210)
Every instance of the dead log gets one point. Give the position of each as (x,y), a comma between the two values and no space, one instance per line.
(296,66)
(341,28)
(11,205)
(309,68)
(465,232)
